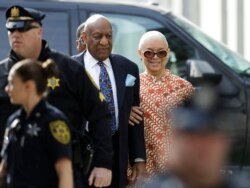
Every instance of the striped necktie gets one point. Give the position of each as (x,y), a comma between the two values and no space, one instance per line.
(106,89)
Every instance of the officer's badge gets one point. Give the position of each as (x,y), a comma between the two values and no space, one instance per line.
(14,12)
(33,130)
(53,82)
(60,131)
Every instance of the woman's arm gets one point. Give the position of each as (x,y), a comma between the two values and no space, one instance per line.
(65,174)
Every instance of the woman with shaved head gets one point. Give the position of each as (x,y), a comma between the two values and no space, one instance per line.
(160,92)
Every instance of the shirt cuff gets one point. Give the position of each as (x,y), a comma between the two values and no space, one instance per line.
(139,160)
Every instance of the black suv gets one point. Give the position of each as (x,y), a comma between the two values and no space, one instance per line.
(193,54)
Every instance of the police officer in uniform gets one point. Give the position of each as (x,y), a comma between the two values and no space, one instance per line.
(72,91)
(37,142)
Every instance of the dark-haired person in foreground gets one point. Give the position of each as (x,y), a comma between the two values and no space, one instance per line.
(37,141)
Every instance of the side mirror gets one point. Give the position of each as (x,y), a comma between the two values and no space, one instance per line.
(200,72)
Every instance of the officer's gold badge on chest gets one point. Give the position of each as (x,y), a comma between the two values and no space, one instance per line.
(53,82)
(60,131)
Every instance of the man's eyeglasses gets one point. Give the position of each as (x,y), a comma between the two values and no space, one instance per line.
(23,29)
(151,54)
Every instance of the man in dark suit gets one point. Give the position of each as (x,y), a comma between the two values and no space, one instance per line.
(123,76)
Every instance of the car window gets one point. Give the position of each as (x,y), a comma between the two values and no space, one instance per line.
(55,27)
(180,53)
(56,30)
(128,29)
(233,60)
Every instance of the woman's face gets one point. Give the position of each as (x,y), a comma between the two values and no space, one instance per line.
(16,89)
(154,53)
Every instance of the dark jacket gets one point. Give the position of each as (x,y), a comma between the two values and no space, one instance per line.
(75,96)
(131,138)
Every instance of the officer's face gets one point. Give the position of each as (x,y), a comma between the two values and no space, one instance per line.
(16,89)
(26,44)
(154,53)
(202,155)
(98,38)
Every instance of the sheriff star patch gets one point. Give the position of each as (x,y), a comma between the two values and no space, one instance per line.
(60,131)
(53,82)
(33,130)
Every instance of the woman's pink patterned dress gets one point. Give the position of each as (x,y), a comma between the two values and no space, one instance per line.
(158,99)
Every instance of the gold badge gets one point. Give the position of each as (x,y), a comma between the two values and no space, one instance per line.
(101,97)
(14,12)
(53,82)
(60,131)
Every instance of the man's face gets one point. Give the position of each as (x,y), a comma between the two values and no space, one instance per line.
(203,154)
(25,43)
(99,39)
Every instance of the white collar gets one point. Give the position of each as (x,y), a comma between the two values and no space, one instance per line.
(89,58)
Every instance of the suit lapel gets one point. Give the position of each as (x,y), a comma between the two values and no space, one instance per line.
(120,76)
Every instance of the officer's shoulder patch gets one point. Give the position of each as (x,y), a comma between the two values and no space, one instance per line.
(60,131)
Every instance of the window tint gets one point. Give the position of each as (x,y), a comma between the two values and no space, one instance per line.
(127,31)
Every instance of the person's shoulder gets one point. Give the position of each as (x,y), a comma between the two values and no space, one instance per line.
(65,62)
(54,113)
(15,115)
(76,56)
(64,57)
(118,57)
(3,64)
(79,57)
(4,61)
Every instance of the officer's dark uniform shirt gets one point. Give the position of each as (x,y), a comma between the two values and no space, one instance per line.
(74,94)
(36,143)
